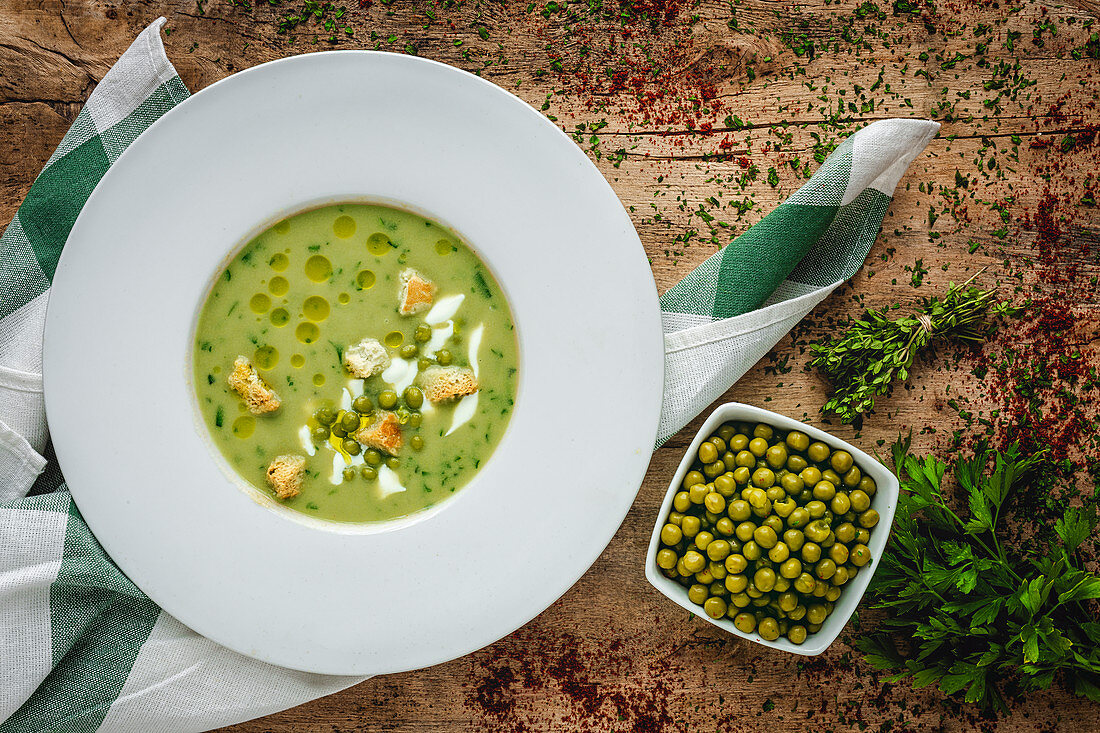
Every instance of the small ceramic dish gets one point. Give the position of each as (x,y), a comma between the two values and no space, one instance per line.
(884,502)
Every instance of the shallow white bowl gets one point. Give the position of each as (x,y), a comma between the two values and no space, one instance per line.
(884,502)
(237,157)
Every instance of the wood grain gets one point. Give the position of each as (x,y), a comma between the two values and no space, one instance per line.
(611,654)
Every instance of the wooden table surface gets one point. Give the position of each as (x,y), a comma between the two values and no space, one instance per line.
(741,100)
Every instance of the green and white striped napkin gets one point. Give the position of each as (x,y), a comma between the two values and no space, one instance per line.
(82,649)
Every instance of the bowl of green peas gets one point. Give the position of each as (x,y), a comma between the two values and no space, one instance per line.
(771,529)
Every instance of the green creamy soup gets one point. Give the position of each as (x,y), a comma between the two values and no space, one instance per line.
(300,294)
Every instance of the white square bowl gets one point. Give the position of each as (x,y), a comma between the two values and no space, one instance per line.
(884,502)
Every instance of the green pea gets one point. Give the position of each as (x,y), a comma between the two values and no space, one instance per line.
(816,613)
(838,553)
(369,473)
(763,478)
(724,526)
(692,478)
(796,634)
(765,537)
(736,564)
(690,526)
(860,555)
(811,552)
(414,398)
(666,559)
(362,404)
(741,475)
(697,494)
(816,509)
(422,333)
(800,517)
(714,503)
(349,421)
(745,531)
(416,442)
(845,532)
(868,519)
(796,464)
(824,490)
(751,550)
(794,539)
(867,485)
(763,430)
(817,452)
(393,462)
(320,434)
(779,553)
(671,534)
(777,456)
(698,593)
(703,540)
(768,629)
(339,432)
(797,441)
(792,484)
(693,561)
(860,501)
(387,399)
(791,568)
(841,461)
(408,351)
(708,453)
(715,607)
(825,569)
(325,416)
(745,623)
(810,475)
(758,447)
(352,447)
(725,485)
(840,503)
(349,473)
(373,457)
(444,357)
(764,579)
(415,419)
(739,510)
(831,476)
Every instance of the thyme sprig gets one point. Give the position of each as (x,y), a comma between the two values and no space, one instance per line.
(864,362)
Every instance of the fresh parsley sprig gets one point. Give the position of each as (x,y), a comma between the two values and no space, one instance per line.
(875,351)
(972,613)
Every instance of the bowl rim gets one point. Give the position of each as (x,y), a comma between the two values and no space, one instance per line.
(884,501)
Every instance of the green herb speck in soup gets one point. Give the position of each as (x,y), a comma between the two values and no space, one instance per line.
(356,362)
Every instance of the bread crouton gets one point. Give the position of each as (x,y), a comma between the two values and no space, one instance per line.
(441,384)
(366,358)
(256,394)
(383,434)
(416,293)
(285,476)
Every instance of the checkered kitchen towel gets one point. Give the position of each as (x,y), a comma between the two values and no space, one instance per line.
(82,649)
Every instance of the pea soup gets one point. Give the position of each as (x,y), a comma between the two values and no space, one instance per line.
(357,362)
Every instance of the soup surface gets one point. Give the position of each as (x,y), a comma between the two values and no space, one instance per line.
(299,302)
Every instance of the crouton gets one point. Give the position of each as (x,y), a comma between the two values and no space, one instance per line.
(256,394)
(366,358)
(383,434)
(441,384)
(285,476)
(416,293)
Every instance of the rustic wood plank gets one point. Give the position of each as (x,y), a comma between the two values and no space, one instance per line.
(611,654)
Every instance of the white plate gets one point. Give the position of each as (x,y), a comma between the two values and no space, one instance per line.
(242,154)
